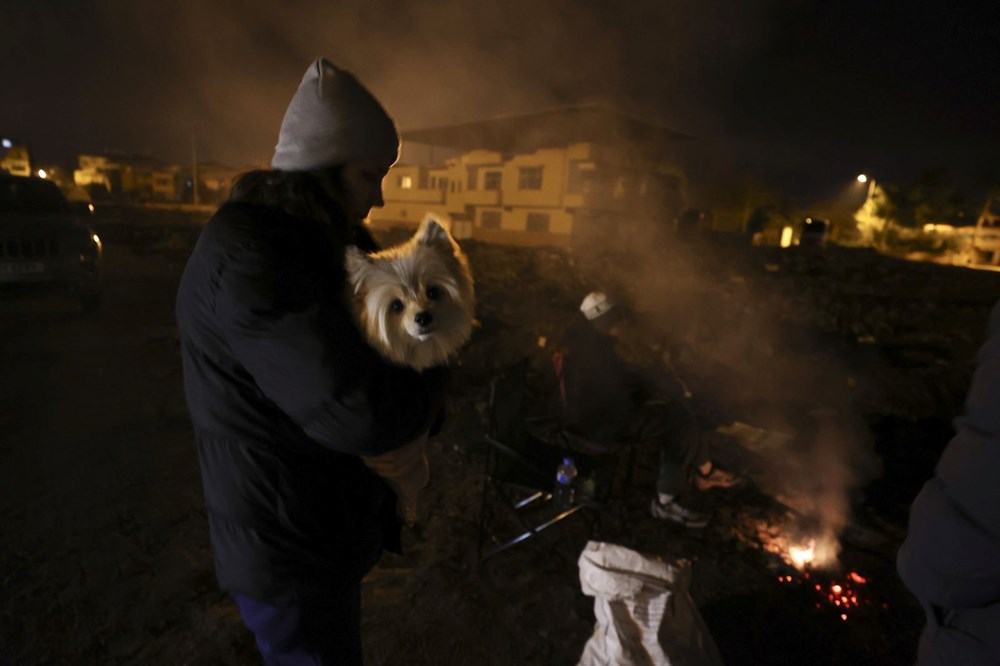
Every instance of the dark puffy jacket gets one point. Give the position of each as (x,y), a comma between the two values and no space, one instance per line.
(603,392)
(285,396)
(951,557)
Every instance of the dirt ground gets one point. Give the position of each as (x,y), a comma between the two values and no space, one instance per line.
(104,554)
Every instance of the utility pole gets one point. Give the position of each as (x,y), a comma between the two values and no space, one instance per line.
(194,167)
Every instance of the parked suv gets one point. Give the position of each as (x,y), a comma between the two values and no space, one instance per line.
(45,245)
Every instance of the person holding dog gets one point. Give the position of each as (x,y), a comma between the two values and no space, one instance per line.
(608,400)
(297,419)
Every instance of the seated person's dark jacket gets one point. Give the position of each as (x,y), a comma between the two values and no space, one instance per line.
(603,393)
(285,396)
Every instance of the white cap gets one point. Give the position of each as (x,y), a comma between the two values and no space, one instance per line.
(595,305)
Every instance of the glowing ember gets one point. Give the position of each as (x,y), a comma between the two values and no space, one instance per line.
(843,595)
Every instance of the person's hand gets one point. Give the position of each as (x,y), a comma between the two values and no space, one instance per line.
(709,476)
(407,472)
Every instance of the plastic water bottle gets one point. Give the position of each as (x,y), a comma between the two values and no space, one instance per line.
(565,490)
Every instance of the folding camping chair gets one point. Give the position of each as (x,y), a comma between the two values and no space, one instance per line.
(609,452)
(521,465)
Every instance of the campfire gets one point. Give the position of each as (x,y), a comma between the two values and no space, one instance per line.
(811,564)
(815,560)
(812,552)
(800,544)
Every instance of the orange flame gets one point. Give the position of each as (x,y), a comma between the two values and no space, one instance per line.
(802,556)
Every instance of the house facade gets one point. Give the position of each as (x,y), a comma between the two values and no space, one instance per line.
(142,179)
(127,177)
(15,159)
(548,190)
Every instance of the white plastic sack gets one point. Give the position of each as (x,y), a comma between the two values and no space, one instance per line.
(645,614)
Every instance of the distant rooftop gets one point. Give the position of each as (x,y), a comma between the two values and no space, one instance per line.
(592,123)
(124,157)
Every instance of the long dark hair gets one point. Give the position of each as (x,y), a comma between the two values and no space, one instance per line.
(298,193)
(301,194)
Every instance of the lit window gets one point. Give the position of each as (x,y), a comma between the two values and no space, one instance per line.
(492,180)
(786,237)
(489,219)
(529,178)
(405,182)
(538,222)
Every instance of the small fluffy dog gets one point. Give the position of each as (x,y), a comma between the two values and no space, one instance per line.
(415,302)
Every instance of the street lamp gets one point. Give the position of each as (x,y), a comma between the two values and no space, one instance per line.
(865,178)
(870,222)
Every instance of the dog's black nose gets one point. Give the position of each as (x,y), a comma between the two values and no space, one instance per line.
(423,318)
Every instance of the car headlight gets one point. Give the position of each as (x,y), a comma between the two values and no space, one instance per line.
(90,253)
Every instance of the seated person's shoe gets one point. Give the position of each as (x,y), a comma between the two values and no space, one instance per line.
(676,513)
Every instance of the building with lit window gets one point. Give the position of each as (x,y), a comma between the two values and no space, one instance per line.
(127,177)
(143,179)
(556,177)
(15,159)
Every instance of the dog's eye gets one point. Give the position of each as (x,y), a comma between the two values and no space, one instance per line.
(396,306)
(434,293)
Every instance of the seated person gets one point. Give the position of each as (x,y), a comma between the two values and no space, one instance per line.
(608,400)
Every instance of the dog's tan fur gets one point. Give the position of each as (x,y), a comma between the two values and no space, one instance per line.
(428,274)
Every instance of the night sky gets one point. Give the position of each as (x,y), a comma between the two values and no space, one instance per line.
(802,94)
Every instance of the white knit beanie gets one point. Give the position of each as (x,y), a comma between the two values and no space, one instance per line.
(332,120)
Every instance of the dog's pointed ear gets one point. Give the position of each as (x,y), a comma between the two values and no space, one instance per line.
(432,231)
(357,264)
